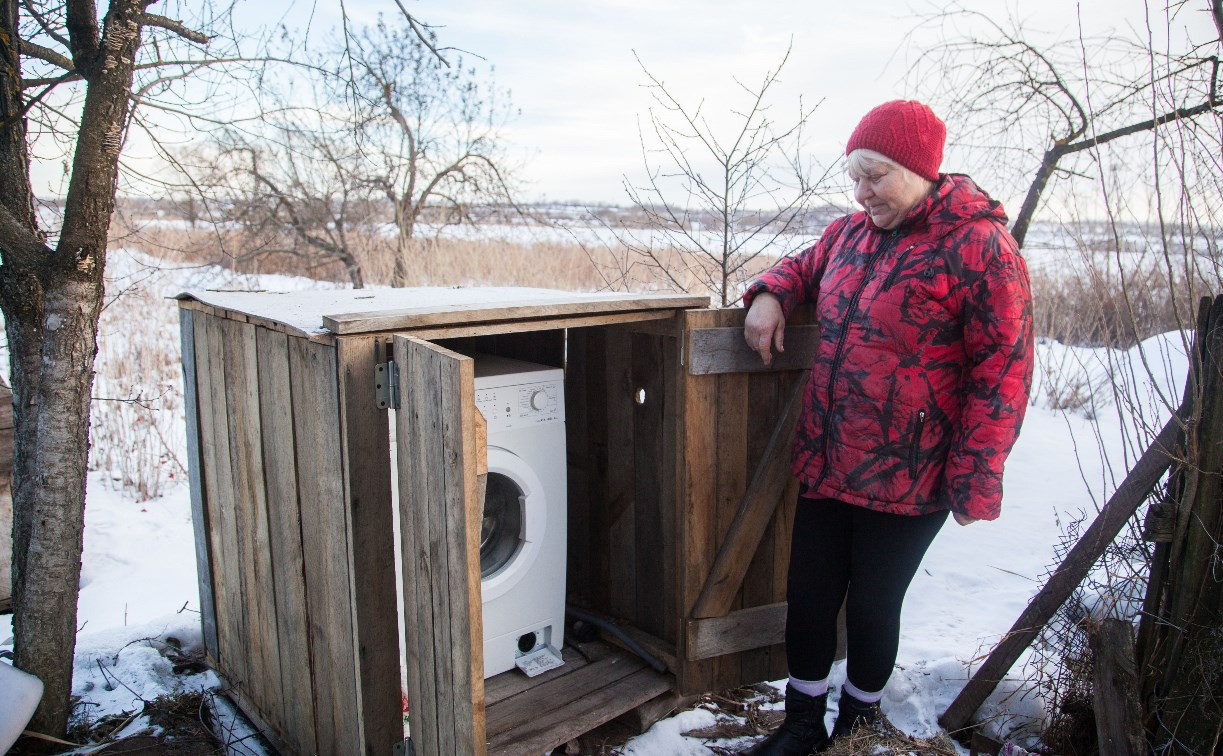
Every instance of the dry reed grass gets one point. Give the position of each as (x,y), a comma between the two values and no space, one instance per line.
(1101,306)
(136,419)
(568,266)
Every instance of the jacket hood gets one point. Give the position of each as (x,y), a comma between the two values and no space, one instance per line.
(955,200)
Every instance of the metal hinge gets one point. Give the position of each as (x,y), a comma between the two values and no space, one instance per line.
(404,748)
(386,385)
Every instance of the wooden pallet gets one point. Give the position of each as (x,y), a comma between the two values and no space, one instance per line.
(597,683)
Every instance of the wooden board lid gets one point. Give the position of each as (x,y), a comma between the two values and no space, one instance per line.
(352,311)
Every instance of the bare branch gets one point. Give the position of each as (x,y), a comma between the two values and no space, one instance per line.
(82,23)
(161,22)
(422,33)
(32,9)
(47,55)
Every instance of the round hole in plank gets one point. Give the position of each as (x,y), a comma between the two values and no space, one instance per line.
(640,396)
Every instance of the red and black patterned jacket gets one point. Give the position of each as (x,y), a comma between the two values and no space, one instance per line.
(924,363)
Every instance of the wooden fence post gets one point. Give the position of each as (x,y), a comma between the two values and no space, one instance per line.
(1115,685)
(1182,651)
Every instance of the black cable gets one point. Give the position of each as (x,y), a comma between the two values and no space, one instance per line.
(631,644)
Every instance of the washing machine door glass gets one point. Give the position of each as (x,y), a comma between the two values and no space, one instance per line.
(501,528)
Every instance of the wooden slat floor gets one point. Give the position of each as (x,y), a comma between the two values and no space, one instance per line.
(597,683)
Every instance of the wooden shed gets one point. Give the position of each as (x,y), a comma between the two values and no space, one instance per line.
(679,504)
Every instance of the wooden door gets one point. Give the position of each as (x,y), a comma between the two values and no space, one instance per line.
(736,500)
(440,463)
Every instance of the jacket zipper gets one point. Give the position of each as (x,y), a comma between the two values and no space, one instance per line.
(915,445)
(839,354)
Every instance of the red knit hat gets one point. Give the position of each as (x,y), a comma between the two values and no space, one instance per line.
(905,131)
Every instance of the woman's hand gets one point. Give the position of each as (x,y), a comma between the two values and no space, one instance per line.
(963,519)
(765,326)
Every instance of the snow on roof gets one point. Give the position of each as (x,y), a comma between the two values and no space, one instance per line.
(319,311)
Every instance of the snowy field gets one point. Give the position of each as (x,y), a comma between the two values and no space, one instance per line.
(138,586)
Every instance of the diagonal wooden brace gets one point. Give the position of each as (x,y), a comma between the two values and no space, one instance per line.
(752,519)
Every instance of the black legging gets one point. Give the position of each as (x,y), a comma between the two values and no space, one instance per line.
(840,552)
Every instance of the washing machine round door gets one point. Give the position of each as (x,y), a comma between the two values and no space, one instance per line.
(513,522)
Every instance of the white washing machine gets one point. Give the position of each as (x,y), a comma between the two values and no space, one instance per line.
(523,533)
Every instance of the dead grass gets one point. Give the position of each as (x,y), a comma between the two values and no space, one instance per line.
(568,266)
(181,723)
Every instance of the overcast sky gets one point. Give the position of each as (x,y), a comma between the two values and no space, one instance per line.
(571,69)
(570,65)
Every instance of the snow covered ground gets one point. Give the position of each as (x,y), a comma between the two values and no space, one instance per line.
(138,586)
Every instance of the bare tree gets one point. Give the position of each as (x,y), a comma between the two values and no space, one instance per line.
(72,78)
(1125,130)
(430,130)
(1011,93)
(712,202)
(293,188)
(397,124)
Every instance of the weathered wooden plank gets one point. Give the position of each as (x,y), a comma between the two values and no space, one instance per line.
(539,309)
(481,447)
(1074,567)
(1119,728)
(553,726)
(195,483)
(285,539)
(582,470)
(668,501)
(732,478)
(505,327)
(219,497)
(464,512)
(752,517)
(654,522)
(438,489)
(644,716)
(722,350)
(414,421)
(365,443)
(593,379)
(540,347)
(697,491)
(513,712)
(669,325)
(509,684)
(765,402)
(741,630)
(621,507)
(250,499)
(325,538)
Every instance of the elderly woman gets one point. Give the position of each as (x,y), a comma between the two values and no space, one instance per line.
(919,385)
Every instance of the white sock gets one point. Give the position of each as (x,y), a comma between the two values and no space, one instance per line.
(864,697)
(810,687)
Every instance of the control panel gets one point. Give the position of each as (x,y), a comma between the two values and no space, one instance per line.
(520,406)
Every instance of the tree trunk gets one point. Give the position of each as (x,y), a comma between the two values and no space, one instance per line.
(403,242)
(1048,164)
(50,513)
(51,303)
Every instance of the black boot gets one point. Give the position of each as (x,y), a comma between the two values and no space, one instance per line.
(803,730)
(853,713)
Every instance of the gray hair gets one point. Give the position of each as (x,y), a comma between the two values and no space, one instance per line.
(861,161)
